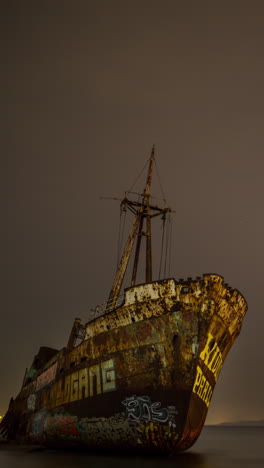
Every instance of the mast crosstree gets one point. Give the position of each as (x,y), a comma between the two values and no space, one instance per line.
(143,212)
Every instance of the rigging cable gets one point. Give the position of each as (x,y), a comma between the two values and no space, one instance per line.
(166,249)
(139,175)
(162,242)
(170,241)
(162,192)
(118,238)
(122,221)
(123,227)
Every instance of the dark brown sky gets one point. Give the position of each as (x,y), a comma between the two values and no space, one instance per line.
(89,87)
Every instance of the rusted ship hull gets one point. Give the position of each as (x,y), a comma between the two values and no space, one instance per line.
(143,376)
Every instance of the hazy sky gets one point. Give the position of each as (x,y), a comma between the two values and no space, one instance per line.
(89,87)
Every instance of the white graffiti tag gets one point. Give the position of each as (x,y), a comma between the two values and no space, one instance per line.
(31,402)
(141,408)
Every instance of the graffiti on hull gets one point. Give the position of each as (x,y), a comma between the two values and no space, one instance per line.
(38,424)
(31,402)
(211,359)
(143,424)
(141,408)
(212,356)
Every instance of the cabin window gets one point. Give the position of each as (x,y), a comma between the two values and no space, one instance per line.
(133,319)
(72,363)
(185,289)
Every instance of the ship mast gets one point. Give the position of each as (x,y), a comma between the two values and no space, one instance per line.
(145,212)
(142,211)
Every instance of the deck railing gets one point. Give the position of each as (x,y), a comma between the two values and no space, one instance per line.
(101,309)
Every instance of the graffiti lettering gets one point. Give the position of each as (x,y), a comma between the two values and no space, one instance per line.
(95,380)
(105,432)
(141,408)
(212,356)
(31,402)
(202,388)
(108,375)
(46,377)
(38,422)
(62,425)
(81,384)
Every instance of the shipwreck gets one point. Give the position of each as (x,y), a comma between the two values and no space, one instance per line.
(140,375)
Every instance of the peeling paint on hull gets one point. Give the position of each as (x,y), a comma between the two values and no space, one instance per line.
(142,378)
